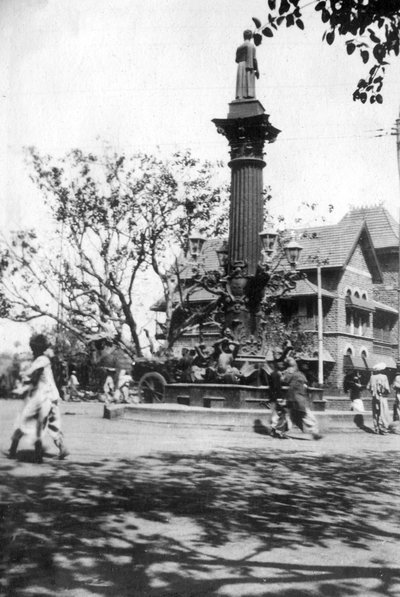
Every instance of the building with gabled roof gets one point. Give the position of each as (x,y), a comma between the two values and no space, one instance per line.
(358,330)
(384,231)
(382,226)
(358,257)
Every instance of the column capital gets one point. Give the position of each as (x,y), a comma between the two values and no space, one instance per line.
(247,136)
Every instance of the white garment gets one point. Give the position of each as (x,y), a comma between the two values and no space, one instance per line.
(46,386)
(41,397)
(357,405)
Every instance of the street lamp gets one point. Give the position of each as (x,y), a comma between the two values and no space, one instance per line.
(241,302)
(196,242)
(292,251)
(268,240)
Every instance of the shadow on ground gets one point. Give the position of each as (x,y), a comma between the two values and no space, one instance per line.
(168,525)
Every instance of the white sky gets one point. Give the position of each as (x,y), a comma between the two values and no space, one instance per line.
(141,74)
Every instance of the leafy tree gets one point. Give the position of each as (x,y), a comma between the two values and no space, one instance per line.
(279,330)
(371,27)
(116,216)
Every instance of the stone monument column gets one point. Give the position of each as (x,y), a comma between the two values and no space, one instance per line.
(247,129)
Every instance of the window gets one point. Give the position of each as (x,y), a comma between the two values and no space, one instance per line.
(349,321)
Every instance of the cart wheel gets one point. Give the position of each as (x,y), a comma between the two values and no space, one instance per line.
(151,387)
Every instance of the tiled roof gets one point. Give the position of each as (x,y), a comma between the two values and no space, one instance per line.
(383,227)
(332,245)
(383,307)
(329,244)
(307,288)
(374,359)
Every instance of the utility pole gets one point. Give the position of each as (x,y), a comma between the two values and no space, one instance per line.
(398,269)
(320,330)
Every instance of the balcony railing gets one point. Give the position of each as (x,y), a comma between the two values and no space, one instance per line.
(383,335)
(359,331)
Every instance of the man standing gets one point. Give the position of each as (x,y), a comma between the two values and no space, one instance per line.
(247,70)
(378,385)
(353,385)
(73,385)
(396,405)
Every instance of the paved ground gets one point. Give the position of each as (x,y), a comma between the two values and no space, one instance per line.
(163,511)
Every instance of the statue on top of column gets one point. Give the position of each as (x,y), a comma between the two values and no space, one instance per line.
(247,70)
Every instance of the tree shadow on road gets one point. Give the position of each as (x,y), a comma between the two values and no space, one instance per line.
(179,525)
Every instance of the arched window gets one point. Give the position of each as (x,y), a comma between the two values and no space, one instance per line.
(357,294)
(349,351)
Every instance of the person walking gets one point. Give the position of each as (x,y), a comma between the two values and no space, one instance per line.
(396,405)
(280,419)
(297,401)
(72,387)
(379,387)
(109,386)
(41,403)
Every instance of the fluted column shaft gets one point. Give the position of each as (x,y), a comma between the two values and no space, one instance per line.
(246,211)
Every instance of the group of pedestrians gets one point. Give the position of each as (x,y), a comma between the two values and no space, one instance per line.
(117,386)
(379,387)
(292,408)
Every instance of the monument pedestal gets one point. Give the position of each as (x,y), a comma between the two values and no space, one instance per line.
(243,108)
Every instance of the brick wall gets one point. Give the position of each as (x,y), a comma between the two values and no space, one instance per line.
(358,259)
(336,338)
(382,293)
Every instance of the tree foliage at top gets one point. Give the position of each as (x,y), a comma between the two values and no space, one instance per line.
(371,28)
(116,216)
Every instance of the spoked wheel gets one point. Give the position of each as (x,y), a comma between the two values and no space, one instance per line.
(151,387)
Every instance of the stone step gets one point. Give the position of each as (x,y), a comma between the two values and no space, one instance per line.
(344,403)
(245,419)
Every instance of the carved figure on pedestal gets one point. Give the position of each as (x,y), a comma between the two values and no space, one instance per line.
(203,368)
(247,70)
(184,366)
(227,349)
